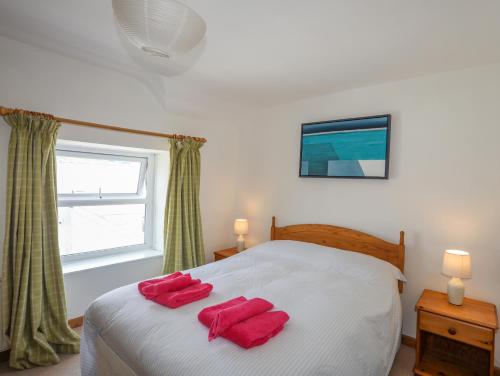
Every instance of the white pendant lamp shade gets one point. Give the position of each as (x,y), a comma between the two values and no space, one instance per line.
(160,27)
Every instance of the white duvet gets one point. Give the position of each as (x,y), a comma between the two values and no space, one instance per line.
(344,307)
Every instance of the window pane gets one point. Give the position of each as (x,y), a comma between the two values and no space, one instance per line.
(77,174)
(92,228)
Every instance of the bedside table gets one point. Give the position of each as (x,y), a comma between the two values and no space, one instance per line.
(454,340)
(224,253)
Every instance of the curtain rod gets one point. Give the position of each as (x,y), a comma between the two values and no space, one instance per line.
(6,111)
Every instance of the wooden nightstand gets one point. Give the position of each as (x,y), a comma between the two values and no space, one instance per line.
(224,253)
(454,340)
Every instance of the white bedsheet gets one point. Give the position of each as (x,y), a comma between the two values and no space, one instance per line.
(344,307)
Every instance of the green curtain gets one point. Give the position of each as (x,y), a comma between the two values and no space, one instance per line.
(33,300)
(183,232)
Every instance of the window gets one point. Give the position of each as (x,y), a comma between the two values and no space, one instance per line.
(104,200)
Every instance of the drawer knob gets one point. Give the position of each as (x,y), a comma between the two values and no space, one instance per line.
(452,331)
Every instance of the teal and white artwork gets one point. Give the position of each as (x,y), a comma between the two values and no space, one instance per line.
(349,148)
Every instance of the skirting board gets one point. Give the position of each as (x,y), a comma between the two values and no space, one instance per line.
(408,341)
(73,323)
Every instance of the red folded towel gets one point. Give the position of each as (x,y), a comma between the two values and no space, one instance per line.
(170,285)
(252,332)
(143,284)
(185,296)
(228,317)
(257,330)
(207,315)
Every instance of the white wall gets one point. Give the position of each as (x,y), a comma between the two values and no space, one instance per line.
(444,186)
(40,80)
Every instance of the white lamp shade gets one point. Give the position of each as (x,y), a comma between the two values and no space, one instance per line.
(241,227)
(159,27)
(457,264)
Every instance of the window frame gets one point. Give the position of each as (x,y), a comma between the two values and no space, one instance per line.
(144,195)
(143,160)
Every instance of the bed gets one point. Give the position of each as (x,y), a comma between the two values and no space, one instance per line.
(340,287)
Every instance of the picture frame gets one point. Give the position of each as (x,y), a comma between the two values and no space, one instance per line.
(352,148)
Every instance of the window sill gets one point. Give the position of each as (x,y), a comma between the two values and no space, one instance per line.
(76,266)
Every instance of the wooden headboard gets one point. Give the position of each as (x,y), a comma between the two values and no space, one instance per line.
(346,239)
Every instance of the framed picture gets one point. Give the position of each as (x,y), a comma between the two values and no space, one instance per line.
(356,148)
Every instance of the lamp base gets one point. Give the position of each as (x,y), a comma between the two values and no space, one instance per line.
(240,243)
(456,291)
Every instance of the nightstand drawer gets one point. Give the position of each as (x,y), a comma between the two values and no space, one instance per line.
(458,330)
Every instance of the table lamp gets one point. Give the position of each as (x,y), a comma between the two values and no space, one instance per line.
(456,264)
(240,229)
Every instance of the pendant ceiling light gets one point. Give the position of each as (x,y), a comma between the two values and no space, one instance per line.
(160,27)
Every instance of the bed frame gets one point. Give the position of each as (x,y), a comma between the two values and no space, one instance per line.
(346,239)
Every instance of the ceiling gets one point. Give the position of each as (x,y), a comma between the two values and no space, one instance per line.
(267,52)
